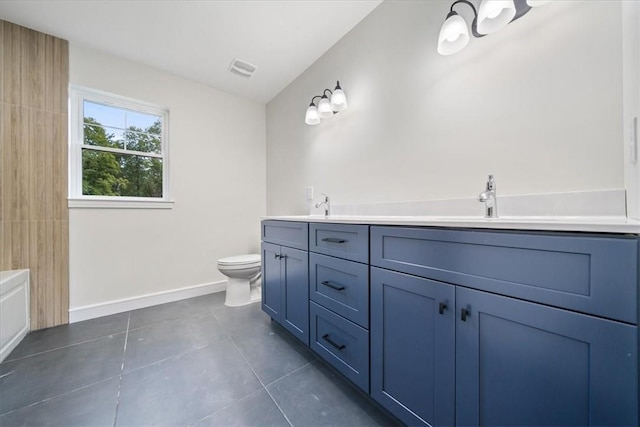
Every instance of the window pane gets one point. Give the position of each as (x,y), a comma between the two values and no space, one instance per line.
(104,115)
(113,174)
(142,122)
(145,142)
(103,136)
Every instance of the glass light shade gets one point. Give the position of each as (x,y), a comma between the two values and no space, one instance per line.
(536,3)
(454,35)
(338,101)
(312,117)
(494,15)
(324,108)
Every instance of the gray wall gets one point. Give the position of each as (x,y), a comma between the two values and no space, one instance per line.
(538,104)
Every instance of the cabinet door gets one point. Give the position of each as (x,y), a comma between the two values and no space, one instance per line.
(271,283)
(520,363)
(295,292)
(412,347)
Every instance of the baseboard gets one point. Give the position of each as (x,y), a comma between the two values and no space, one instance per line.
(8,348)
(87,312)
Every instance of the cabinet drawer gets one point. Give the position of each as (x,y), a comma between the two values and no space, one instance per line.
(287,233)
(341,286)
(341,240)
(591,274)
(341,343)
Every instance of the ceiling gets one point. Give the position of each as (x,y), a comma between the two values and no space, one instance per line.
(199,39)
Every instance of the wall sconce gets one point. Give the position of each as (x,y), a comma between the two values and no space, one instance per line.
(326,108)
(491,16)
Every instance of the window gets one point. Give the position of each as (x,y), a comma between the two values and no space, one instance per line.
(119,152)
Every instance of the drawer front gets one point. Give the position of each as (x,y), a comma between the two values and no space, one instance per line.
(341,286)
(591,274)
(341,343)
(346,241)
(287,233)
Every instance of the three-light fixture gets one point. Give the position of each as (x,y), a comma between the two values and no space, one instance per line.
(326,107)
(491,16)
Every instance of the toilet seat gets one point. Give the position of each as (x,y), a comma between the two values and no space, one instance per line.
(240,261)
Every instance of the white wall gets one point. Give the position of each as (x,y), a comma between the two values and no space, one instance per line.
(538,104)
(631,98)
(217,149)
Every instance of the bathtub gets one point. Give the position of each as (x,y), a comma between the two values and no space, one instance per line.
(14,309)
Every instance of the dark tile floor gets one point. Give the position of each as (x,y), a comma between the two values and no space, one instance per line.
(191,362)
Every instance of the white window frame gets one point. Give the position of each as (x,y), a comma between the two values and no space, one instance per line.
(76,143)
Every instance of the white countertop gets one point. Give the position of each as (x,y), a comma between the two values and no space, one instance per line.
(594,224)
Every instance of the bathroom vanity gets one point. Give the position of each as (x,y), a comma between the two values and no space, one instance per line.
(444,324)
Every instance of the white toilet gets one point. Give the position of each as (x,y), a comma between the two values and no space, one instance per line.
(243,286)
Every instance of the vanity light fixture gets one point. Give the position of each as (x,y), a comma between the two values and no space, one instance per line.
(326,107)
(491,16)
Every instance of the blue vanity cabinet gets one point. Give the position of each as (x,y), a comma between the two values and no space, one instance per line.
(285,275)
(271,283)
(339,293)
(522,363)
(413,347)
(347,241)
(447,327)
(341,343)
(545,330)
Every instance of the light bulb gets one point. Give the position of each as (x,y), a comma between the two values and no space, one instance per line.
(312,117)
(338,99)
(454,35)
(324,108)
(494,15)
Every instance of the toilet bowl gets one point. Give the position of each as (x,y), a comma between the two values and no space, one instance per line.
(243,285)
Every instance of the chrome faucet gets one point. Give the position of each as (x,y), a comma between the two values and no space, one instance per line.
(326,203)
(489,198)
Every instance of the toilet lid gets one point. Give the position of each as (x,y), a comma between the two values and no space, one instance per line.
(240,259)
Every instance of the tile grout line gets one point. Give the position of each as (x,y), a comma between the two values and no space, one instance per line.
(175,356)
(254,373)
(291,373)
(261,383)
(197,313)
(63,347)
(225,407)
(57,396)
(124,352)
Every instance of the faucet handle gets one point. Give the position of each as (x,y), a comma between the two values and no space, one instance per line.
(324,202)
(491,183)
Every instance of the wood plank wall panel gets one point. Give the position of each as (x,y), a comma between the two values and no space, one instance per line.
(34,218)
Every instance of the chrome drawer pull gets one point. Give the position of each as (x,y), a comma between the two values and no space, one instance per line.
(333,240)
(331,285)
(332,342)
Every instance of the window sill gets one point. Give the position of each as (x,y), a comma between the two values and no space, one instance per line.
(120,204)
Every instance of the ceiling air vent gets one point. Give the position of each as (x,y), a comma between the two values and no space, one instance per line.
(242,68)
